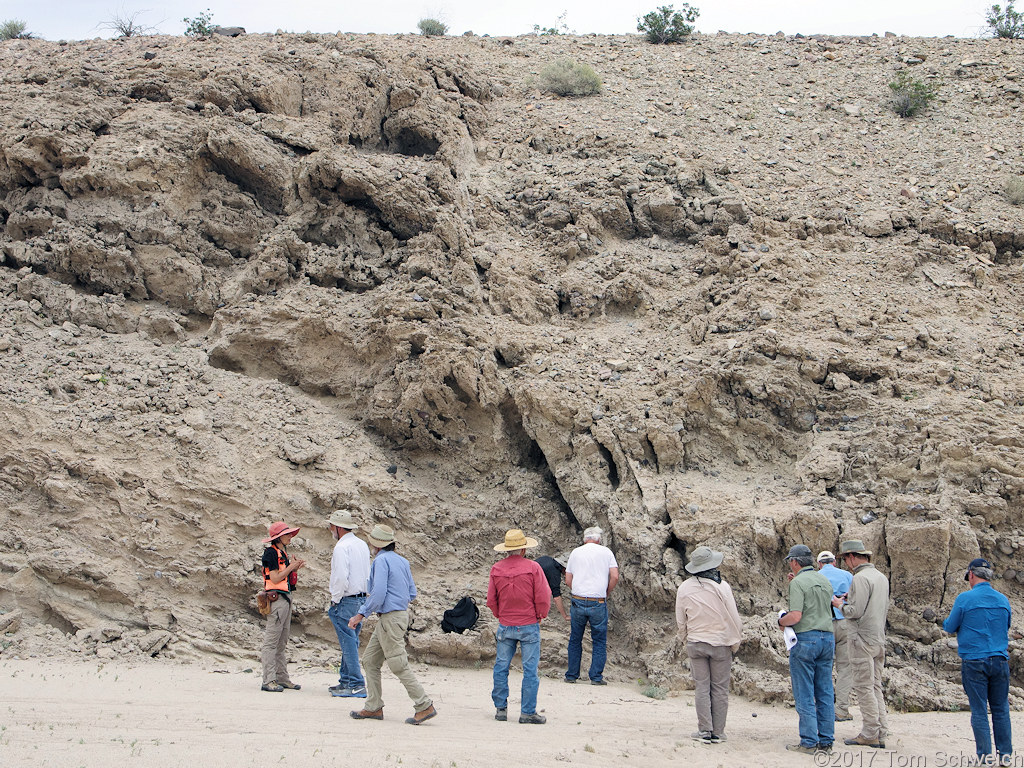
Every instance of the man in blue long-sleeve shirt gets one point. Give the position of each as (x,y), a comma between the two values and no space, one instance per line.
(981,621)
(389,593)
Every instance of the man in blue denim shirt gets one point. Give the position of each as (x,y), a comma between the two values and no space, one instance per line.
(389,594)
(840,581)
(981,621)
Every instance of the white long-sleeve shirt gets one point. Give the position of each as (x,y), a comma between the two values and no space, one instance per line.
(350,567)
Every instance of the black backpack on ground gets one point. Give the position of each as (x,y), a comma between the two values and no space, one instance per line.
(462,617)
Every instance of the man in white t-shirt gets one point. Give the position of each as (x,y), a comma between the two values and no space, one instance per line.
(591,574)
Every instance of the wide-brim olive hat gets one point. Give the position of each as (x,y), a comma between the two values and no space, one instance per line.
(704,559)
(853,547)
(515,539)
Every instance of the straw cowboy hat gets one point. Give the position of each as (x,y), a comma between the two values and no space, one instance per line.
(343,519)
(277,530)
(515,539)
(853,547)
(704,559)
(381,536)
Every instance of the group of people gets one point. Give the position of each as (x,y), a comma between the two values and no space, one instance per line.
(834,618)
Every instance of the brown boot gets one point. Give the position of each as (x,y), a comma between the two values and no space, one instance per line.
(367,714)
(422,716)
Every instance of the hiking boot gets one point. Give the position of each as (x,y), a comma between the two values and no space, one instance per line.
(824,746)
(272,687)
(599,682)
(570,680)
(802,749)
(843,718)
(501,714)
(533,719)
(860,741)
(290,686)
(422,716)
(366,714)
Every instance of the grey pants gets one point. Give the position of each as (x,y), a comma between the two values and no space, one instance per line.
(711,667)
(275,640)
(867,661)
(844,671)
(387,644)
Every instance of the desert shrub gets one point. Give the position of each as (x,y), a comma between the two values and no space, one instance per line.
(432,28)
(911,95)
(200,26)
(127,25)
(1014,190)
(14,29)
(667,25)
(570,78)
(1005,22)
(561,29)
(652,691)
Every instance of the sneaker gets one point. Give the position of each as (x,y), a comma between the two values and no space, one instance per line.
(701,735)
(501,714)
(338,687)
(570,680)
(291,686)
(714,738)
(599,682)
(358,693)
(824,746)
(802,749)
(337,690)
(533,719)
(272,687)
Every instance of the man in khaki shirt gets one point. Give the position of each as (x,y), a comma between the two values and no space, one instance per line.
(867,605)
(710,626)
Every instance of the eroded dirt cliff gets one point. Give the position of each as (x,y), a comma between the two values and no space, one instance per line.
(732,300)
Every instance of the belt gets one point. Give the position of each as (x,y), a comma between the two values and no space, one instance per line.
(360,594)
(589,599)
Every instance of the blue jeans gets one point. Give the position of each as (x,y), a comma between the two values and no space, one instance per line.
(987,684)
(582,611)
(349,674)
(810,670)
(528,637)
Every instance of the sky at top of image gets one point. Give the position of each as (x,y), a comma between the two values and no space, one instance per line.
(83,19)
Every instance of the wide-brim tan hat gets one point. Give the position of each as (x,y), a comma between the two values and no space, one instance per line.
(515,539)
(853,547)
(343,519)
(704,559)
(381,535)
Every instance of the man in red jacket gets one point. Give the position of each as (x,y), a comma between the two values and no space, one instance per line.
(519,596)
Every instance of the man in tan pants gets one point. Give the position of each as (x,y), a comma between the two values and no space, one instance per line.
(865,610)
(390,591)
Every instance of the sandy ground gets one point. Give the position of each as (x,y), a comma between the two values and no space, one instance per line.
(166,715)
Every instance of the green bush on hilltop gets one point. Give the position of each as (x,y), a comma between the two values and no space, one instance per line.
(15,29)
(910,95)
(200,26)
(570,78)
(432,28)
(1007,23)
(667,25)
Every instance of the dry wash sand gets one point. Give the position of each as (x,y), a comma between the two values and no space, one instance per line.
(166,715)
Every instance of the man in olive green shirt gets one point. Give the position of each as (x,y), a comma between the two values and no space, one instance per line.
(810,660)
